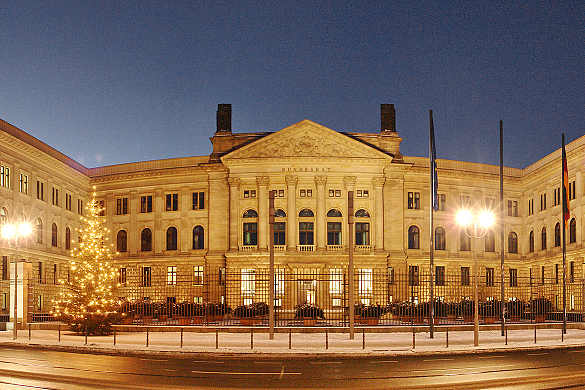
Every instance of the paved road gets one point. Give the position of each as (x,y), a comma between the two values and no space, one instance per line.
(43,369)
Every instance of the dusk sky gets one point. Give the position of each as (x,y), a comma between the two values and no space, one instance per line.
(110,82)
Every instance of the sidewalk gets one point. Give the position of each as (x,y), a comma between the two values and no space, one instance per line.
(285,343)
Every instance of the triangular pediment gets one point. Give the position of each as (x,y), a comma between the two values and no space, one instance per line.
(306,139)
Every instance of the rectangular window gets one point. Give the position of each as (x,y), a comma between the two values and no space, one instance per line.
(146,276)
(542,275)
(305,233)
(413,275)
(198,200)
(172,275)
(4,176)
(557,273)
(512,208)
(442,202)
(221,281)
(365,282)
(572,190)
(68,202)
(572,272)
(464,201)
(23,187)
(334,193)
(55,196)
(79,206)
(362,193)
(335,281)
(40,271)
(362,233)
(306,193)
(248,286)
(249,193)
(390,272)
(513,277)
(40,190)
(530,206)
(542,202)
(465,280)
(172,202)
(440,275)
(197,275)
(489,277)
(279,281)
(5,272)
(414,200)
(250,233)
(146,204)
(121,206)
(122,276)
(280,233)
(333,233)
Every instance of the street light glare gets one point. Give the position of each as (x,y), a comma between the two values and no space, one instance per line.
(486,219)
(464,217)
(10,231)
(24,229)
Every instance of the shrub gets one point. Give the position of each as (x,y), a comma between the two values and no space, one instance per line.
(309,310)
(540,306)
(252,310)
(491,308)
(93,324)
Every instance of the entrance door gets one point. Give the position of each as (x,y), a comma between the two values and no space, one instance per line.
(307,291)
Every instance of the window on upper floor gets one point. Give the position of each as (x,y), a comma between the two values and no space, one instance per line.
(279,233)
(278,193)
(573,231)
(531,242)
(146,240)
(172,238)
(54,234)
(40,190)
(512,208)
(55,198)
(464,241)
(68,238)
(146,204)
(543,202)
(413,237)
(23,184)
(558,234)
(362,193)
(121,206)
(512,242)
(530,206)
(543,238)
(414,200)
(362,233)
(79,206)
(249,193)
(440,239)
(5,176)
(102,208)
(68,202)
(572,190)
(442,202)
(335,193)
(198,200)
(305,193)
(490,241)
(198,237)
(172,203)
(122,241)
(39,231)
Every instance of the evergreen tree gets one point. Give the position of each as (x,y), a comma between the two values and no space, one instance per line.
(92,280)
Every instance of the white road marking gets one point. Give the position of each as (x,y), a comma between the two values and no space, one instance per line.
(244,373)
(384,361)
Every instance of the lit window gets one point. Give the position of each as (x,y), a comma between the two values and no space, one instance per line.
(172,275)
(198,275)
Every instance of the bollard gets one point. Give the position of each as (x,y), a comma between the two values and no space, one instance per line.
(216,338)
(326,339)
(562,335)
(506,336)
(534,333)
(289,338)
(59,332)
(181,337)
(252,338)
(29,332)
(85,334)
(447,337)
(413,338)
(147,336)
(114,336)
(364,338)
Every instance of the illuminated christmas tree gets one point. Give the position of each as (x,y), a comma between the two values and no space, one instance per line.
(92,281)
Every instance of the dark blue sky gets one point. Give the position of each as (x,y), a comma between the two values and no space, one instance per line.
(108,82)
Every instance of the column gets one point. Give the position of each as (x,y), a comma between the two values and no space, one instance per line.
(349,183)
(291,211)
(378,183)
(321,219)
(133,233)
(234,184)
(262,182)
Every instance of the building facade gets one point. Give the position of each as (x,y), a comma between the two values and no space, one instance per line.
(203,222)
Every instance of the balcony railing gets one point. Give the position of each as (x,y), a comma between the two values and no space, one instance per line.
(249,248)
(306,248)
(279,248)
(335,248)
(364,248)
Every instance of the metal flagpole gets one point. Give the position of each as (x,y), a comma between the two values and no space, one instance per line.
(565,180)
(502,220)
(433,196)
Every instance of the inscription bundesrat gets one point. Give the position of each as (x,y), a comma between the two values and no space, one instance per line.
(306,169)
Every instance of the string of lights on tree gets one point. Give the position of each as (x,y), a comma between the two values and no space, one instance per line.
(92,278)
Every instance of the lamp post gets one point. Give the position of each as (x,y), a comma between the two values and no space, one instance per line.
(475,226)
(10,232)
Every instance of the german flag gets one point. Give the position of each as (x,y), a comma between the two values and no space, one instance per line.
(566,210)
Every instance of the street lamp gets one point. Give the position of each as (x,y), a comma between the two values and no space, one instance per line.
(18,233)
(475,226)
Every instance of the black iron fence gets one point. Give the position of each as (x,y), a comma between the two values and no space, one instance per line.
(320,298)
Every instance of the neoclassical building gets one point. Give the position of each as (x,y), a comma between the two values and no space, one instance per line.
(198,228)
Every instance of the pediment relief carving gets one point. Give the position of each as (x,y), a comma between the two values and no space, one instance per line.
(306,139)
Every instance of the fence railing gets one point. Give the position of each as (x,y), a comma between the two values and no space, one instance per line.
(319,298)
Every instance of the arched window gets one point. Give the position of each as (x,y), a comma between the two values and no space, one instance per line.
(146,240)
(512,242)
(464,241)
(361,213)
(334,213)
(172,239)
(122,241)
(3,215)
(440,239)
(250,214)
(413,238)
(39,231)
(279,213)
(543,238)
(573,231)
(558,234)
(531,241)
(198,237)
(54,234)
(490,241)
(68,238)
(306,213)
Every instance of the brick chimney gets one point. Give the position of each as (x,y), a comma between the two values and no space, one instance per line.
(388,118)
(224,118)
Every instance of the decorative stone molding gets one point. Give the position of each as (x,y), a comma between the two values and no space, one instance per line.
(349,181)
(234,181)
(262,181)
(320,181)
(378,181)
(291,180)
